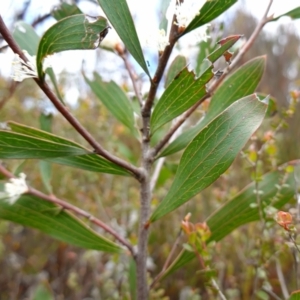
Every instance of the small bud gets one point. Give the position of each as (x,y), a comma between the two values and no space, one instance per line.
(284,219)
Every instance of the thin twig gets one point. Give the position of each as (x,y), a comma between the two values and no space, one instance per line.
(98,149)
(281,279)
(271,293)
(244,49)
(75,209)
(217,288)
(133,78)
(40,19)
(167,262)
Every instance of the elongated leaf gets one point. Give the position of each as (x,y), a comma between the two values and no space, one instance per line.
(119,16)
(115,100)
(46,121)
(209,11)
(20,146)
(92,163)
(41,134)
(37,213)
(177,65)
(184,90)
(238,211)
(294,14)
(181,94)
(132,279)
(212,151)
(225,44)
(89,162)
(241,83)
(44,166)
(26,37)
(65,10)
(72,33)
(226,219)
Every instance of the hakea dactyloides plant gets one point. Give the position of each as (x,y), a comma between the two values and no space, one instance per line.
(234,114)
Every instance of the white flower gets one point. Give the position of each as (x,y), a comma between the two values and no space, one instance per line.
(185,12)
(23,70)
(158,40)
(15,188)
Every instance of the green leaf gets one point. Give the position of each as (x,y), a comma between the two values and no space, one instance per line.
(212,151)
(164,4)
(39,214)
(42,292)
(44,166)
(65,10)
(46,121)
(26,37)
(181,94)
(49,71)
(226,219)
(19,146)
(225,44)
(175,99)
(295,295)
(92,163)
(241,83)
(89,162)
(114,99)
(209,11)
(177,65)
(37,133)
(237,211)
(132,278)
(272,104)
(294,14)
(46,175)
(119,16)
(78,32)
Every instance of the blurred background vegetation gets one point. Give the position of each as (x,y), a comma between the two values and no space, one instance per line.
(34,266)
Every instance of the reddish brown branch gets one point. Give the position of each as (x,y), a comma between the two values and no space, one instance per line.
(64,111)
(75,209)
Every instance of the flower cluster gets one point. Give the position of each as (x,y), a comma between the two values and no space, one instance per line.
(158,41)
(185,12)
(14,188)
(23,70)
